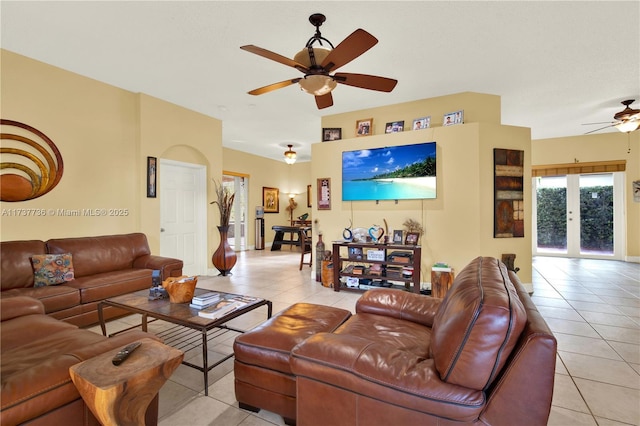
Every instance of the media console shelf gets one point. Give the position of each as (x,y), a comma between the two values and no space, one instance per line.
(386,266)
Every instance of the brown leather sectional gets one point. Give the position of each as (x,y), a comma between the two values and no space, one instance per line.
(104,266)
(37,351)
(482,355)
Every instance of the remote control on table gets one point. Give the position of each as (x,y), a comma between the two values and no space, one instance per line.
(125,352)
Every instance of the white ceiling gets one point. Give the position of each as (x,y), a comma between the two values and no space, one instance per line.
(556,65)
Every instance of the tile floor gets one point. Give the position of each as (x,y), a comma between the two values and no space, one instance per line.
(593,308)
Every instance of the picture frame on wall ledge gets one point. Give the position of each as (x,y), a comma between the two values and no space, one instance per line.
(421,123)
(271,199)
(364,127)
(453,118)
(394,127)
(152,167)
(331,134)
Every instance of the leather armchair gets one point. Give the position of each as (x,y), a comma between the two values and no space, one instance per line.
(481,355)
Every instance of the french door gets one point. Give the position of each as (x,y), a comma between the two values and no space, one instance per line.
(237,184)
(579,215)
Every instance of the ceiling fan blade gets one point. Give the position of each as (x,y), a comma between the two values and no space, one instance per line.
(274,86)
(364,81)
(601,128)
(601,122)
(324,101)
(350,48)
(275,57)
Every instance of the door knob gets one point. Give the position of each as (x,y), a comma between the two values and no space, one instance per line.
(161,229)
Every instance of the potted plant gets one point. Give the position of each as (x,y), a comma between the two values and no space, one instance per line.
(224,258)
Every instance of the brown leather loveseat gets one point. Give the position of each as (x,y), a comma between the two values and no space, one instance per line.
(37,351)
(104,266)
(481,355)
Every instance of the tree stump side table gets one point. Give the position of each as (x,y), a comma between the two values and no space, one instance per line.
(120,395)
(441,281)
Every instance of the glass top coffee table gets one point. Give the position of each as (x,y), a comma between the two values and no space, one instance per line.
(185,319)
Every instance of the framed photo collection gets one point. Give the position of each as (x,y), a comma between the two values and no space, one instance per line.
(331,134)
(364,127)
(453,118)
(421,123)
(394,127)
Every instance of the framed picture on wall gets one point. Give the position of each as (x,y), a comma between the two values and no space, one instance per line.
(394,127)
(331,134)
(364,127)
(271,199)
(152,167)
(421,123)
(324,194)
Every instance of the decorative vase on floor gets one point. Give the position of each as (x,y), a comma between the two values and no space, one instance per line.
(319,257)
(224,258)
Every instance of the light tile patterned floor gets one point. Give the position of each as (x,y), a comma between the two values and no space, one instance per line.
(592,306)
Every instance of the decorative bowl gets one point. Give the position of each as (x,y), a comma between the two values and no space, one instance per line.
(180,289)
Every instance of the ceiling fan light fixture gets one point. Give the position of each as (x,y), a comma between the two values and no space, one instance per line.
(317,85)
(290,155)
(628,126)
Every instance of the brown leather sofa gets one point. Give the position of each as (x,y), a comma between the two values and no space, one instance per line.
(36,353)
(104,266)
(481,355)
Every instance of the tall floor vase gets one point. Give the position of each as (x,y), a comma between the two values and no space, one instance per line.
(224,258)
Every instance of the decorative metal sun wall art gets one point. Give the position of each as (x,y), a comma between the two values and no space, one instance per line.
(31,164)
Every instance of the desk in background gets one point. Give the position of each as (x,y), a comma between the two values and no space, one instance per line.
(279,240)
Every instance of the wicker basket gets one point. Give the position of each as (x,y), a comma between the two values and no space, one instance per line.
(180,289)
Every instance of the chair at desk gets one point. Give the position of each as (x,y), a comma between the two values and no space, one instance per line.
(305,248)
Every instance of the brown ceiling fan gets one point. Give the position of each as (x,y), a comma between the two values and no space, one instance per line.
(317,63)
(627,120)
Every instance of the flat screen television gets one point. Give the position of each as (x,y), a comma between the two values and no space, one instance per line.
(405,172)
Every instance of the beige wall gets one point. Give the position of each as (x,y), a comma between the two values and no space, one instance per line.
(459,223)
(274,174)
(601,147)
(105,135)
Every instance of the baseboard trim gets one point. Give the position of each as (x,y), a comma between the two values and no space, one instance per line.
(632,259)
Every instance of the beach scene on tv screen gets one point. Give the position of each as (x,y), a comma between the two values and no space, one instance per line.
(403,172)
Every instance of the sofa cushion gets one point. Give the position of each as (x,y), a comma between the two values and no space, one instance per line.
(477,325)
(51,269)
(95,288)
(17,271)
(54,298)
(95,255)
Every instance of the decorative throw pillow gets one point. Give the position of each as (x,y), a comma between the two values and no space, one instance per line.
(51,269)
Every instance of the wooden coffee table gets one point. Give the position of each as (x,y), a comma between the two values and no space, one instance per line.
(186,320)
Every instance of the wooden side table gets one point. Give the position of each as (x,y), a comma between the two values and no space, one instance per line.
(441,283)
(120,395)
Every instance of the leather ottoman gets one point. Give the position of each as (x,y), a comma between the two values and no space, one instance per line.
(263,377)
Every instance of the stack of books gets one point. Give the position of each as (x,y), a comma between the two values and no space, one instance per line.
(205,300)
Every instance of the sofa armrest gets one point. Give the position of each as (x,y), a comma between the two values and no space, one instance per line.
(167,266)
(399,304)
(13,307)
(385,373)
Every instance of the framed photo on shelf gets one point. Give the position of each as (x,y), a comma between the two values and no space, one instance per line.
(412,238)
(271,199)
(364,127)
(331,134)
(355,253)
(397,236)
(394,127)
(152,167)
(421,123)
(453,118)
(324,193)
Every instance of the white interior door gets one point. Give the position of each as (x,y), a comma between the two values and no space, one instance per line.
(183,216)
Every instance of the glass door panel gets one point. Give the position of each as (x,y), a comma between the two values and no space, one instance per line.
(551,214)
(596,214)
